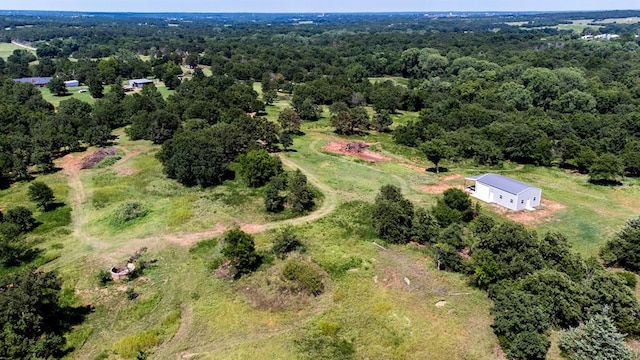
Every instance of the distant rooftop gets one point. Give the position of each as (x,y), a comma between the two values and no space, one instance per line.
(34,80)
(502,182)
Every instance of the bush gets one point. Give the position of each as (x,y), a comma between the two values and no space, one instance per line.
(629,278)
(239,248)
(108,161)
(257,167)
(127,213)
(285,242)
(131,294)
(21,217)
(306,275)
(104,277)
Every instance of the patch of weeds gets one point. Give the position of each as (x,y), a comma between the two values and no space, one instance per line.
(107,161)
(133,346)
(127,213)
(131,294)
(56,246)
(339,267)
(324,341)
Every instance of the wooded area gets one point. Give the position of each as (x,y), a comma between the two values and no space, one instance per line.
(483,92)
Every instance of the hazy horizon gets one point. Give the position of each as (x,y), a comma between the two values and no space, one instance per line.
(331,6)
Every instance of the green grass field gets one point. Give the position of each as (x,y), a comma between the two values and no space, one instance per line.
(384,301)
(6,49)
(86,96)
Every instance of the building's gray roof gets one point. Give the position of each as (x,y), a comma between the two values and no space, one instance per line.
(34,80)
(502,182)
(140,81)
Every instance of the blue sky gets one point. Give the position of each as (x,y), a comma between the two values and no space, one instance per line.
(315,6)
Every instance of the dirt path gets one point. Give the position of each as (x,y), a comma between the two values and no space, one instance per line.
(71,165)
(119,167)
(23,46)
(187,239)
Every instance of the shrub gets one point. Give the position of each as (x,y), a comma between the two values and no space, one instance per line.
(127,213)
(240,249)
(130,294)
(104,277)
(21,217)
(306,275)
(629,278)
(108,161)
(285,242)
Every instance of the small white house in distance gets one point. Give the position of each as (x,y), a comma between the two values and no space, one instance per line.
(504,191)
(139,83)
(72,83)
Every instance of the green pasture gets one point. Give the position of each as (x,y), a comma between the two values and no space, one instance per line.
(6,49)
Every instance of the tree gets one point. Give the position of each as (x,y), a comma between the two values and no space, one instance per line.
(436,150)
(289,120)
(257,167)
(300,196)
(57,87)
(286,140)
(95,87)
(308,110)
(624,248)
(239,248)
(32,319)
(274,201)
(596,339)
(392,215)
(381,121)
(41,194)
(606,169)
(425,227)
(351,122)
(21,217)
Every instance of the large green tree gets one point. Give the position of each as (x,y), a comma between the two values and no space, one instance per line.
(257,167)
(57,87)
(41,194)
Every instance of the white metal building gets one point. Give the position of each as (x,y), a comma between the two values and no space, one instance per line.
(504,191)
(72,83)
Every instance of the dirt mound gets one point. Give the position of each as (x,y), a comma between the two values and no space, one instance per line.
(358,149)
(544,212)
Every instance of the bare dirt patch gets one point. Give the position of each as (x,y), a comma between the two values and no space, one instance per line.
(358,149)
(120,168)
(434,189)
(541,214)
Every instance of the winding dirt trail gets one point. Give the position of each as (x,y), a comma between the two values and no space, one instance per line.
(72,163)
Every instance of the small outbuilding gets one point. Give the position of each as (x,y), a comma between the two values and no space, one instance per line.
(504,191)
(72,83)
(139,83)
(36,81)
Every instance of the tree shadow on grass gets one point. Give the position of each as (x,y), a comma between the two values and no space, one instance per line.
(440,170)
(611,183)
